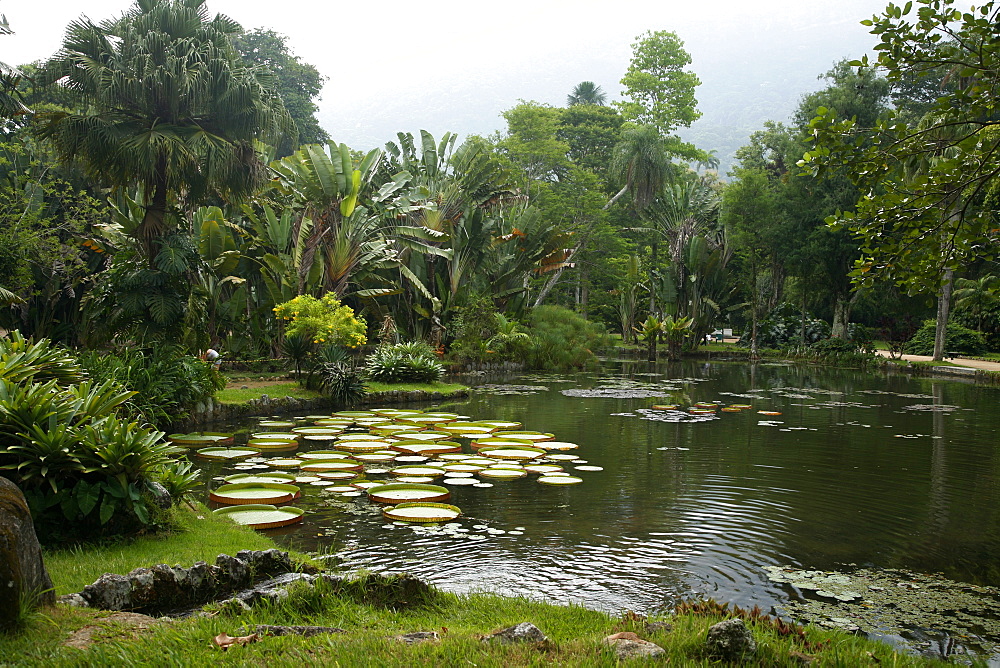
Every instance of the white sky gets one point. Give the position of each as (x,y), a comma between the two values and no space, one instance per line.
(410,64)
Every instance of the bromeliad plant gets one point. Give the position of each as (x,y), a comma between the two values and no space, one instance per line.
(84,470)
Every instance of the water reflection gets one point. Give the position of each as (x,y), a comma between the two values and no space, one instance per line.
(846,474)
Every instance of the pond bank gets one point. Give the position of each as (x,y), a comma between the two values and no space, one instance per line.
(212,411)
(368,626)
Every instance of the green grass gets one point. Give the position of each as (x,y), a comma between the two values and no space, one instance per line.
(443,388)
(372,613)
(234,395)
(196,536)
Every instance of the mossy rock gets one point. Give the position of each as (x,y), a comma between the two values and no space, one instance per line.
(22,574)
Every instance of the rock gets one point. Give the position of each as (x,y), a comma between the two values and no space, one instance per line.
(233,573)
(267,562)
(22,574)
(418,637)
(656,627)
(628,645)
(730,640)
(523,632)
(109,592)
(73,600)
(159,495)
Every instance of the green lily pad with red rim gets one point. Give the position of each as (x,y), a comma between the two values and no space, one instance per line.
(400,492)
(560,480)
(557,446)
(276,424)
(422,435)
(257,492)
(417,469)
(422,512)
(363,446)
(195,439)
(515,452)
(274,476)
(285,462)
(534,436)
(326,454)
(324,465)
(223,453)
(273,446)
(503,473)
(339,475)
(426,447)
(544,469)
(262,516)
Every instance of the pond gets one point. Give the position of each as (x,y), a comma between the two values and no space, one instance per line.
(880,471)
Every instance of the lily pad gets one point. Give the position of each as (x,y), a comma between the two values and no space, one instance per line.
(422,512)
(274,476)
(257,492)
(515,452)
(262,516)
(503,473)
(560,480)
(319,466)
(407,492)
(432,471)
(228,453)
(427,447)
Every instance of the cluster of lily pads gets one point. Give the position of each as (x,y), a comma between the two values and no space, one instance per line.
(400,458)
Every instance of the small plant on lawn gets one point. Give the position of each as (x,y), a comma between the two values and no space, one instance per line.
(404,363)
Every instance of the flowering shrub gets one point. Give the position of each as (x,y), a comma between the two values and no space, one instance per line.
(323,320)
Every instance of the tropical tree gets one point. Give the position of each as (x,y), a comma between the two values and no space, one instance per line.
(10,98)
(171,109)
(977,296)
(586,92)
(641,162)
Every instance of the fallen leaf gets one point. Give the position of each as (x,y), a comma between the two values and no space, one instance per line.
(225,641)
(624,635)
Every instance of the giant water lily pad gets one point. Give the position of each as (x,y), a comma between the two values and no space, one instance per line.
(427,447)
(417,469)
(557,446)
(276,424)
(274,476)
(322,465)
(422,512)
(200,439)
(407,492)
(422,435)
(559,480)
(277,446)
(325,454)
(503,473)
(262,516)
(533,436)
(228,453)
(516,452)
(363,446)
(285,462)
(275,436)
(256,492)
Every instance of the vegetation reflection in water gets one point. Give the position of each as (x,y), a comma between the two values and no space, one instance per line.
(883,471)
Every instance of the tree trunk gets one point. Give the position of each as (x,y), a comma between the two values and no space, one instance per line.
(943,311)
(651,350)
(584,291)
(654,248)
(841,317)
(616,197)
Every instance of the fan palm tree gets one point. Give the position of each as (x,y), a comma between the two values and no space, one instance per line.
(586,92)
(10,99)
(640,160)
(977,296)
(171,108)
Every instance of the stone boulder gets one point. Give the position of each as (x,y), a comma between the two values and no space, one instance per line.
(731,640)
(523,632)
(22,574)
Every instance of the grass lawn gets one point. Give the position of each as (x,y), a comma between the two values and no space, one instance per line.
(370,615)
(443,388)
(276,390)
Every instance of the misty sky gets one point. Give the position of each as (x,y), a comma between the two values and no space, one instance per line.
(446,65)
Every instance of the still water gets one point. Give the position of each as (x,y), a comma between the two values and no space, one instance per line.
(859,468)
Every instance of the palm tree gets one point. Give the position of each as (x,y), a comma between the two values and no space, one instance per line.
(586,92)
(10,99)
(977,296)
(642,162)
(170,108)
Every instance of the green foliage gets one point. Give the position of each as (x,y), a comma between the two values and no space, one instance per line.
(323,320)
(924,185)
(166,382)
(181,479)
(657,88)
(783,327)
(341,382)
(404,363)
(562,339)
(958,339)
(83,469)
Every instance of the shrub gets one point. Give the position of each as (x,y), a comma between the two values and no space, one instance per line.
(404,363)
(341,382)
(84,470)
(563,339)
(783,327)
(323,320)
(167,383)
(958,339)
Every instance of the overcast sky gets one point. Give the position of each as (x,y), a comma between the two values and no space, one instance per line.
(455,65)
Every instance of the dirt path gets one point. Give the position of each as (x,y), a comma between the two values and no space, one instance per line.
(958,361)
